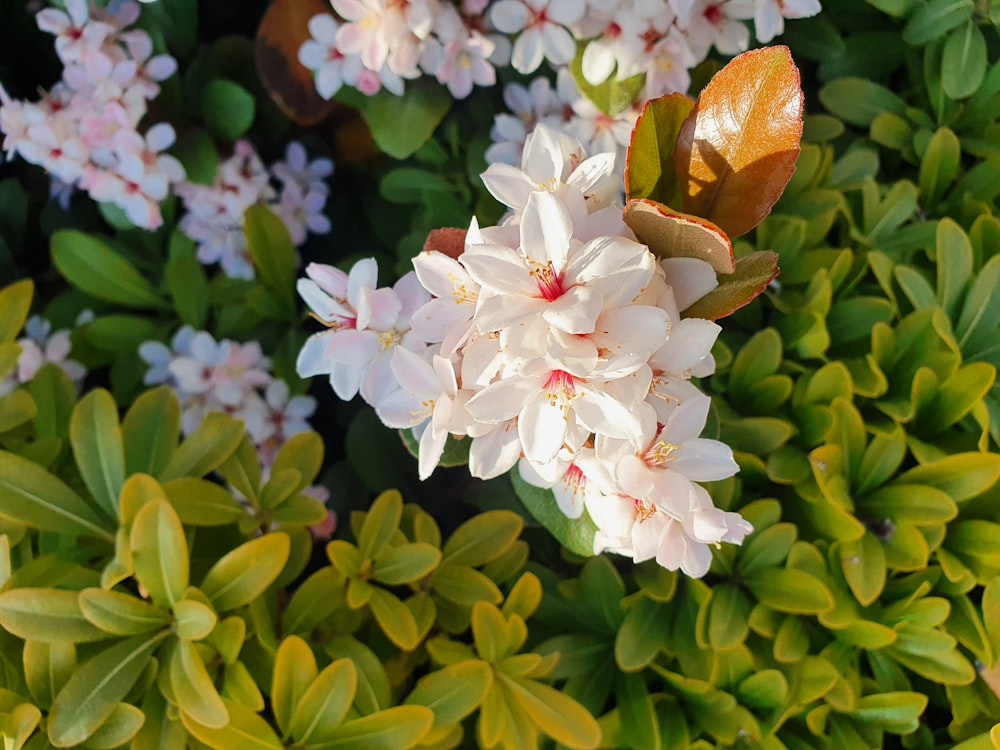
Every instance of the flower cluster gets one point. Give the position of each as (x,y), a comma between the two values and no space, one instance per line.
(214,217)
(379,43)
(84,131)
(228,377)
(564,108)
(41,346)
(553,343)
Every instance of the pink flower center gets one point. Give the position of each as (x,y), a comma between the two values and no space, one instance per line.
(560,390)
(549,284)
(713,14)
(613,31)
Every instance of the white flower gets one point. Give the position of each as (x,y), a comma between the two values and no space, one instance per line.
(769,15)
(542,24)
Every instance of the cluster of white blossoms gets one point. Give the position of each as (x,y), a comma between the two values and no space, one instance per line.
(214,217)
(563,108)
(375,44)
(84,132)
(40,346)
(229,377)
(553,343)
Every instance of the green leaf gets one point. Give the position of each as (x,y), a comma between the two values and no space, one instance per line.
(97,687)
(150,431)
(215,440)
(859,101)
(15,304)
(47,667)
(405,563)
(34,497)
(199,502)
(482,538)
(641,635)
(228,109)
(189,289)
(196,695)
(896,712)
(394,618)
(315,600)
(454,691)
(728,617)
(934,18)
(272,252)
(789,590)
(752,275)
(863,564)
(118,334)
(304,453)
(244,574)
(962,475)
(325,703)
(16,408)
(121,614)
(246,730)
(556,714)
(48,615)
(424,106)
(121,726)
(242,470)
(294,671)
(96,437)
(910,503)
(373,683)
(398,728)
(464,585)
(939,167)
(964,61)
(160,552)
(575,534)
(93,267)
(649,169)
(954,259)
(193,620)
(381,522)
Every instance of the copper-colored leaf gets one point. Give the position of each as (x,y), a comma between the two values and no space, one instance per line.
(737,149)
(672,234)
(753,273)
(282,31)
(649,166)
(449,240)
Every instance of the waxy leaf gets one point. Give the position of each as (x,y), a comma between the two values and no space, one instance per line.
(121,614)
(397,728)
(649,167)
(122,725)
(556,714)
(482,538)
(215,440)
(160,552)
(15,304)
(737,149)
(453,692)
(272,252)
(95,689)
(246,730)
(671,234)
(242,575)
(48,615)
(325,703)
(150,431)
(282,31)
(575,534)
(47,667)
(752,275)
(96,437)
(294,671)
(90,265)
(193,688)
(31,495)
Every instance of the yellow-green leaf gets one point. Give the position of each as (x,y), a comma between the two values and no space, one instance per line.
(398,728)
(47,667)
(196,695)
(15,304)
(194,620)
(242,575)
(482,538)
(294,671)
(96,437)
(199,502)
(556,714)
(89,697)
(649,169)
(325,703)
(380,524)
(160,552)
(204,450)
(246,730)
(121,726)
(121,614)
(405,563)
(150,431)
(394,618)
(453,692)
(47,614)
